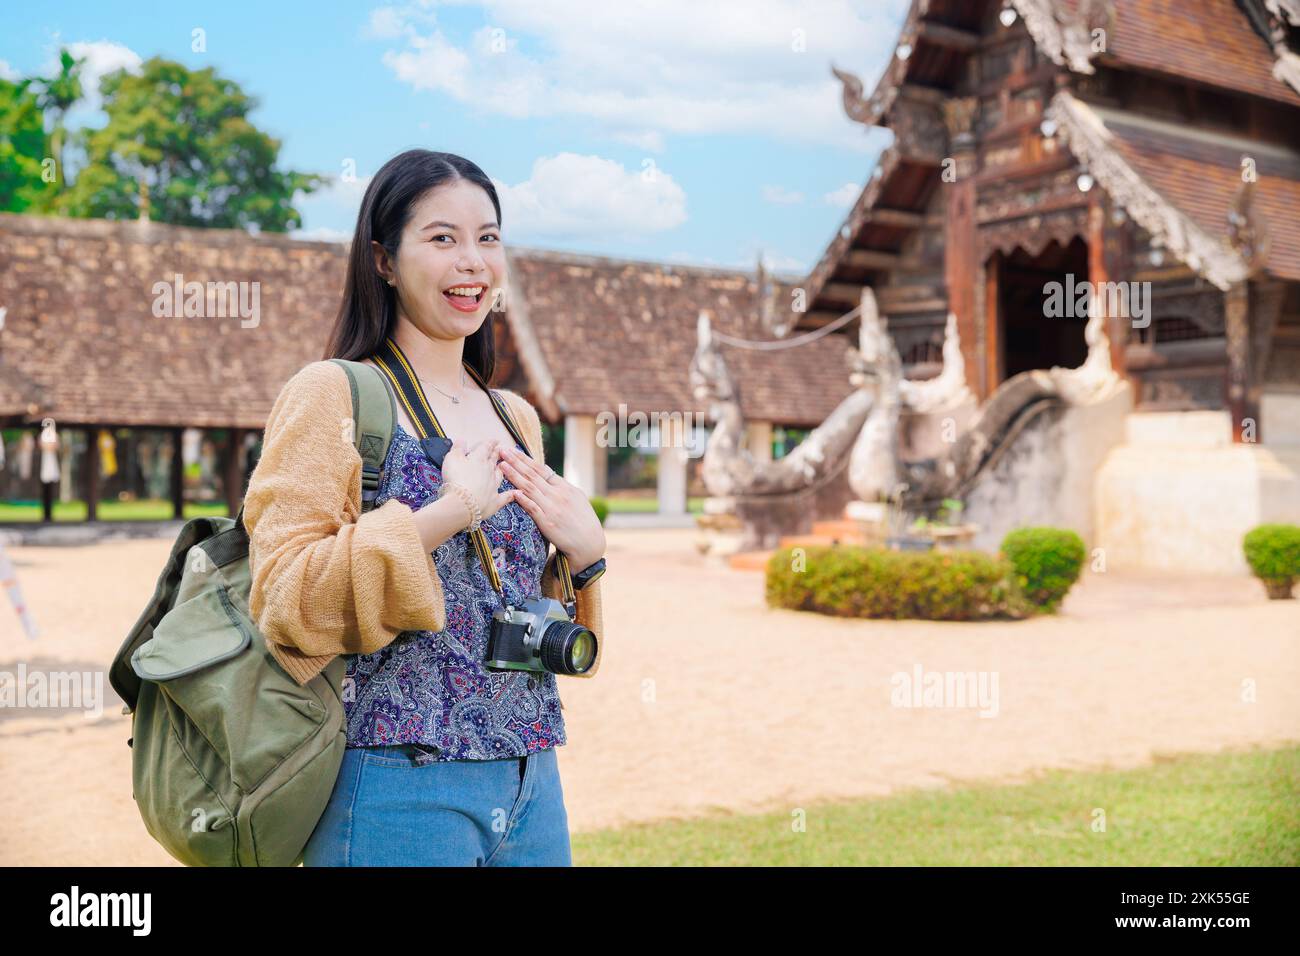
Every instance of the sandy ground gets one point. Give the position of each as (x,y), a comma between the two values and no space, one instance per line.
(707,700)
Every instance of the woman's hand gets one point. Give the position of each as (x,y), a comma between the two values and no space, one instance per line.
(477,468)
(560,508)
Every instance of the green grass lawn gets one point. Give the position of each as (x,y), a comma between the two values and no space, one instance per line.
(651,504)
(148,510)
(108,510)
(1240,809)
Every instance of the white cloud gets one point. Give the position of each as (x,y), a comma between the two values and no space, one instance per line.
(432,63)
(385,22)
(750,250)
(675,66)
(786,264)
(690,259)
(346,191)
(650,140)
(774,262)
(844,197)
(337,202)
(102,57)
(570,196)
(566,196)
(321,234)
(781,196)
(7,72)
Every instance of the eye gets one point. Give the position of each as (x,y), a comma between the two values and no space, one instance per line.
(442,236)
(488,235)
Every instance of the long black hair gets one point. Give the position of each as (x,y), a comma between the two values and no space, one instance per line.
(368,313)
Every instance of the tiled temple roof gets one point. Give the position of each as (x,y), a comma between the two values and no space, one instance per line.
(81,343)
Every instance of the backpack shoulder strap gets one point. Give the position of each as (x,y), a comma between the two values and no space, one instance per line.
(375,411)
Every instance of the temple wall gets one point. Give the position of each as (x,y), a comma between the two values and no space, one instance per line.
(1046,476)
(1279,418)
(1178,495)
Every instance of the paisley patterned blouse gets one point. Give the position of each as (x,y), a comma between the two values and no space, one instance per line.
(433,688)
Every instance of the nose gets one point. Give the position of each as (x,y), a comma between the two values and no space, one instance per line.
(472,264)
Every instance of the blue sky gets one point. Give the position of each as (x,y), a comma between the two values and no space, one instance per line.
(676,130)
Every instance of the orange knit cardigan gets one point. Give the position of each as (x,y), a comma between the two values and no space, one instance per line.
(326,579)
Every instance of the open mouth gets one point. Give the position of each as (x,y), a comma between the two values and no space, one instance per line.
(465,297)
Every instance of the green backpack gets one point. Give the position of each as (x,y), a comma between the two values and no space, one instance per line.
(232,761)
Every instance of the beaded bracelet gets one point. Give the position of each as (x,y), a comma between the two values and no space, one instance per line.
(475,513)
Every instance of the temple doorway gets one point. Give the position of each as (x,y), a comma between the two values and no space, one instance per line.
(1031,331)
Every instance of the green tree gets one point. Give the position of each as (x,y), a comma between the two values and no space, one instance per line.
(185,136)
(22,149)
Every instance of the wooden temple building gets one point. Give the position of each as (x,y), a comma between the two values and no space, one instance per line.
(80,344)
(1150,148)
(1114,140)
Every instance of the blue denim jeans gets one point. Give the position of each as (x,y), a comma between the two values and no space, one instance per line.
(393,806)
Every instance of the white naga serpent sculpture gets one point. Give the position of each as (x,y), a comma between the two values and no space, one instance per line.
(865,425)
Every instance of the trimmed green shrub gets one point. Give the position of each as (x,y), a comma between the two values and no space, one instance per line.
(1273,553)
(852,581)
(601,507)
(1047,562)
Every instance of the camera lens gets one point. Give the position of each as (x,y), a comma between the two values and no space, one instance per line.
(568,648)
(583,651)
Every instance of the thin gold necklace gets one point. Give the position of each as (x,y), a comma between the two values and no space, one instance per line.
(454,399)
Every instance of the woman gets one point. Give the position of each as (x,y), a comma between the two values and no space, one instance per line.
(447,761)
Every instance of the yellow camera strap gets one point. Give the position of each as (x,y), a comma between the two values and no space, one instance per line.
(396,367)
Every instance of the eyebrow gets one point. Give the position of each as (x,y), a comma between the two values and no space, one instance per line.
(452,225)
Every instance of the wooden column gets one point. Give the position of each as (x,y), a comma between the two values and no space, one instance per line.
(234,471)
(47,490)
(1236,313)
(960,246)
(990,372)
(177,475)
(1265,310)
(91,473)
(1106,255)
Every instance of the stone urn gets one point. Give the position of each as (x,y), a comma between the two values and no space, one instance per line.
(910,542)
(720,531)
(1280,589)
(952,537)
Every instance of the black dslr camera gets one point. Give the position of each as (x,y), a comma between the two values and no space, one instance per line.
(539,636)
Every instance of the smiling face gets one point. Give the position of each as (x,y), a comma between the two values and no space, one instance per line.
(451,241)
